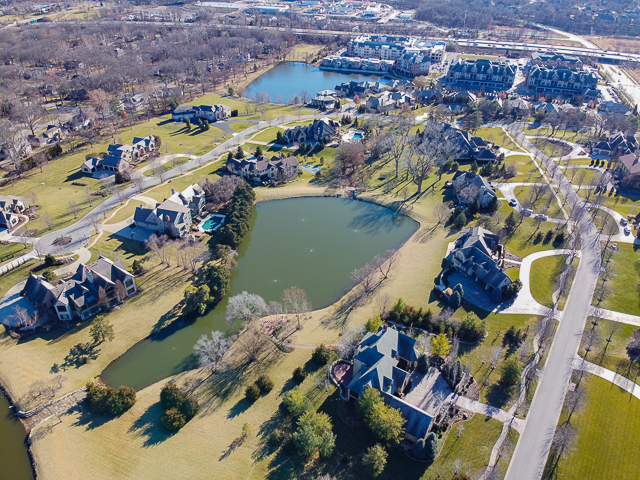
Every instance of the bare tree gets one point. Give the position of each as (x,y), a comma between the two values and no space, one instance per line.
(296,303)
(496,355)
(383,302)
(32,199)
(138,180)
(103,299)
(88,196)
(47,220)
(158,170)
(23,319)
(96,222)
(349,341)
(211,351)
(424,344)
(73,207)
(119,193)
(121,290)
(441,212)
(401,139)
(245,307)
(252,342)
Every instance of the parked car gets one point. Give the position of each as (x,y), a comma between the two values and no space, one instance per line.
(513,202)
(542,217)
(627,231)
(528,212)
(623,222)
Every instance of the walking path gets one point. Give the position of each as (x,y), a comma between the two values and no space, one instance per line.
(52,408)
(615,316)
(627,385)
(489,411)
(534,444)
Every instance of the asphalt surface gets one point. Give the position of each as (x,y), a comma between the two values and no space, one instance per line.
(533,447)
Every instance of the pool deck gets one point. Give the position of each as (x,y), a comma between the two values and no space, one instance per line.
(209,217)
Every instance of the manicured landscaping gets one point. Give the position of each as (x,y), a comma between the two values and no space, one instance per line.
(544,274)
(267,135)
(167,166)
(623,295)
(527,170)
(240,126)
(607,430)
(570,135)
(497,136)
(124,212)
(524,194)
(523,242)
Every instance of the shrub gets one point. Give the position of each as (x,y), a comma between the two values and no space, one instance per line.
(455,300)
(172,420)
(460,221)
(234,112)
(431,444)
(374,460)
(423,364)
(472,328)
(512,289)
(314,434)
(189,408)
(513,337)
(107,401)
(49,276)
(171,396)
(510,371)
(295,402)
(373,324)
(252,393)
(265,384)
(276,438)
(299,374)
(321,355)
(420,449)
(137,267)
(458,288)
(50,261)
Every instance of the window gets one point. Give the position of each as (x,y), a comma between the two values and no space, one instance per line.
(129,282)
(61,308)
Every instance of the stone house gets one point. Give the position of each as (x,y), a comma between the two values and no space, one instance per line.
(477,254)
(628,169)
(11,206)
(174,216)
(120,157)
(616,145)
(258,170)
(80,296)
(211,113)
(481,188)
(322,130)
(50,136)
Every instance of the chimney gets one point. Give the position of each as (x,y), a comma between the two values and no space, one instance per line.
(89,274)
(173,191)
(168,220)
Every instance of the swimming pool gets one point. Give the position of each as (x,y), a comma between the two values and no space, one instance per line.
(212,223)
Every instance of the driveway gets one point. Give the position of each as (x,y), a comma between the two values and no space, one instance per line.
(12,300)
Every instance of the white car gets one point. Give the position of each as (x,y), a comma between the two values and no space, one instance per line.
(541,217)
(627,231)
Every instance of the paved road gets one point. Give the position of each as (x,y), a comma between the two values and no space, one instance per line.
(533,447)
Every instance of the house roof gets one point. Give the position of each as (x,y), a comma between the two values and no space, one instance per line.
(631,163)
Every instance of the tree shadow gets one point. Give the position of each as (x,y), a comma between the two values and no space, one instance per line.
(239,408)
(80,354)
(148,426)
(499,394)
(88,419)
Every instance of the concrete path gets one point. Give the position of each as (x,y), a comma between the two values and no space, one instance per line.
(84,256)
(489,411)
(533,447)
(609,375)
(615,316)
(620,236)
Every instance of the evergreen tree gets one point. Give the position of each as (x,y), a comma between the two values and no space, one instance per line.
(258,153)
(474,167)
(239,153)
(455,300)
(431,444)
(187,122)
(511,223)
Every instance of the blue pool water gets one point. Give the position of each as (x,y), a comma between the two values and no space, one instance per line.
(357,136)
(211,223)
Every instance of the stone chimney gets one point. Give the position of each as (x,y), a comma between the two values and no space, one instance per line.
(89,274)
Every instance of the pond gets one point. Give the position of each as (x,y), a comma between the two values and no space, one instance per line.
(312,243)
(15,464)
(286,80)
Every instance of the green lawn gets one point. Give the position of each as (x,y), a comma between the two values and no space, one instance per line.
(168,165)
(569,135)
(549,148)
(125,211)
(544,273)
(497,136)
(513,273)
(624,295)
(8,252)
(267,135)
(121,248)
(272,111)
(521,243)
(240,126)
(523,194)
(527,171)
(613,354)
(625,203)
(608,442)
(16,275)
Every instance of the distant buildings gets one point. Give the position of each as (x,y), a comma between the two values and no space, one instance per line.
(560,81)
(174,216)
(388,101)
(325,99)
(477,254)
(407,56)
(549,59)
(212,113)
(362,89)
(10,208)
(119,157)
(259,170)
(92,289)
(50,136)
(322,130)
(480,74)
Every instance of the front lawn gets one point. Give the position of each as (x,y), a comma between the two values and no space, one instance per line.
(526,170)
(544,274)
(497,136)
(523,242)
(240,126)
(608,440)
(267,135)
(525,194)
(623,293)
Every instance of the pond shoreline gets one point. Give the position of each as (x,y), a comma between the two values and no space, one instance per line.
(27,434)
(284,193)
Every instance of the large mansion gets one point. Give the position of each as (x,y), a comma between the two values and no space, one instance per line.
(258,170)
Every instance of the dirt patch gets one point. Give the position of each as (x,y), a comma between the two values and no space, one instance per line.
(62,241)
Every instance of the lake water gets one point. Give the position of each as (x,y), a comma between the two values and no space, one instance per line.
(287,79)
(14,463)
(313,243)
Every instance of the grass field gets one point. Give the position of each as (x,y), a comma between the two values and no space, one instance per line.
(524,194)
(527,171)
(608,437)
(240,126)
(9,252)
(612,354)
(544,273)
(570,135)
(623,284)
(267,135)
(124,212)
(521,243)
(497,136)
(168,166)
(272,111)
